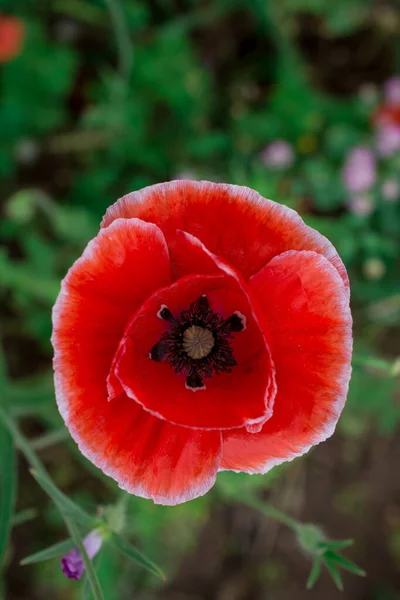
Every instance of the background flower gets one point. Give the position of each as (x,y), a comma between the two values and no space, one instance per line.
(359,170)
(388,139)
(361,205)
(392,91)
(12,31)
(390,190)
(279,154)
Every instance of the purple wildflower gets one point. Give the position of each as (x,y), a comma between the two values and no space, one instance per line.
(390,190)
(361,206)
(392,91)
(72,563)
(279,154)
(388,139)
(359,171)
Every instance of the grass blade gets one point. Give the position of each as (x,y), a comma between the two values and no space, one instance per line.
(21,442)
(50,439)
(24,516)
(8,488)
(48,553)
(41,475)
(67,506)
(133,553)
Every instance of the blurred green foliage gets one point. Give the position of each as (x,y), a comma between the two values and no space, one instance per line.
(109,96)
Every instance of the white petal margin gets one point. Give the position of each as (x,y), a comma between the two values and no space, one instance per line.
(147,457)
(311,342)
(234,222)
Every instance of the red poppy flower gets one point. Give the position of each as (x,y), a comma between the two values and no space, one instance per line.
(204,328)
(12,32)
(386,114)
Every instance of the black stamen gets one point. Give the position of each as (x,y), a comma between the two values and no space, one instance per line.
(159,351)
(194,380)
(201,305)
(165,313)
(198,342)
(230,361)
(234,323)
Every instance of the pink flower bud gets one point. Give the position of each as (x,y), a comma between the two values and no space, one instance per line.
(72,563)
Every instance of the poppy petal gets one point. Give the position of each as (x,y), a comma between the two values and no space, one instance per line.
(148,457)
(241,397)
(116,273)
(307,311)
(188,256)
(233,222)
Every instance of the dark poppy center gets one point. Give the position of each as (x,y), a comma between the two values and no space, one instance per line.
(198,342)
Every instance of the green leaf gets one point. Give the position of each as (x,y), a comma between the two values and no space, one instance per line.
(67,506)
(130,551)
(314,573)
(48,553)
(24,515)
(336,544)
(8,488)
(334,574)
(345,563)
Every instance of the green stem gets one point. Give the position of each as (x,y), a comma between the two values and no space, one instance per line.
(91,573)
(271,512)
(22,443)
(125,50)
